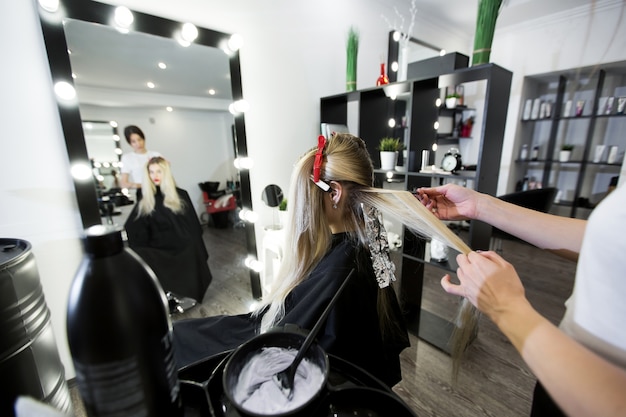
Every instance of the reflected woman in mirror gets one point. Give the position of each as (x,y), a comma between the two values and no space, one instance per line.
(133,163)
(334,226)
(164,230)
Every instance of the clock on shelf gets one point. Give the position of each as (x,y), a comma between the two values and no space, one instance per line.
(451,161)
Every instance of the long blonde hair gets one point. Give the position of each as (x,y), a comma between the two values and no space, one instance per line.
(308,235)
(171,199)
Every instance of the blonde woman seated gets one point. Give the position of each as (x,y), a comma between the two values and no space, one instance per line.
(164,230)
(334,227)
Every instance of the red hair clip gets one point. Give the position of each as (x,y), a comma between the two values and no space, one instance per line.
(317,166)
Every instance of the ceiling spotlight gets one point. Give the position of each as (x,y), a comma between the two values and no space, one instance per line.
(65,90)
(169,108)
(123,17)
(162,65)
(442,52)
(212,92)
(49,5)
(150,84)
(189,32)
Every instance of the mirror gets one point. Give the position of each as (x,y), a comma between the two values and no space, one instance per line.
(272,195)
(63,29)
(417,50)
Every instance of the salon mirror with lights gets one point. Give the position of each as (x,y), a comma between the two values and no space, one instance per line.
(414,50)
(179,83)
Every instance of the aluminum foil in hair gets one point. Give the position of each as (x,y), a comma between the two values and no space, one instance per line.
(379,247)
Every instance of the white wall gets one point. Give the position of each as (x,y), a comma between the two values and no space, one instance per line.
(294,54)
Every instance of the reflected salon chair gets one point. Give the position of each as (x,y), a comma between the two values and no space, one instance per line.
(539,199)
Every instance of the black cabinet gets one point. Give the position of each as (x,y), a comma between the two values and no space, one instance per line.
(416,106)
(582,108)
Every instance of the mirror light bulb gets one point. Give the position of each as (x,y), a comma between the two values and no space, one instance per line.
(395,66)
(392,122)
(253,264)
(189,32)
(235,42)
(123,17)
(438,102)
(64,90)
(396,36)
(239,106)
(81,171)
(434,147)
(248,215)
(243,163)
(436,125)
(49,5)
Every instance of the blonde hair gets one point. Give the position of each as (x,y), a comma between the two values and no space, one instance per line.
(308,235)
(171,200)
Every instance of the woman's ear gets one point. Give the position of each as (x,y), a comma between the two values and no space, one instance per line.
(336,192)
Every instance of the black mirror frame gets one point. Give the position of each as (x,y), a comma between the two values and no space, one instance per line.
(60,68)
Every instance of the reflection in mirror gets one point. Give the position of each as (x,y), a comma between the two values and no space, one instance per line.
(99,95)
(272,195)
(103,148)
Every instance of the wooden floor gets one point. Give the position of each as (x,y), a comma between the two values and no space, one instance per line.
(493,380)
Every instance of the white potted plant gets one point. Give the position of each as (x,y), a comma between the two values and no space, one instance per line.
(566,152)
(452,100)
(389,148)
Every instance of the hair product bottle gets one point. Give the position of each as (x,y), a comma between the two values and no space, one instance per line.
(120,333)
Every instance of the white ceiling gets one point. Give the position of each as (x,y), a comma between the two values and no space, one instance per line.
(103,58)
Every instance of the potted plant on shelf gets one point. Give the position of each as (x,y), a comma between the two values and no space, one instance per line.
(451,100)
(566,152)
(282,212)
(389,148)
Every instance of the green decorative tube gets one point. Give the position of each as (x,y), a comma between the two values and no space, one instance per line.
(352,51)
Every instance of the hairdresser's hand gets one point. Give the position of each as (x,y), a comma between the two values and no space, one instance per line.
(489,282)
(450,201)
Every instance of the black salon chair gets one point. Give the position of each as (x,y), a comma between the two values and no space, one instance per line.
(539,199)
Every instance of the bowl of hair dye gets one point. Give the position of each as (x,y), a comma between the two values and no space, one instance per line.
(248,376)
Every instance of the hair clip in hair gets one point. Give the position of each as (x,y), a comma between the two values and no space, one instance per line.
(384,268)
(323,185)
(317,166)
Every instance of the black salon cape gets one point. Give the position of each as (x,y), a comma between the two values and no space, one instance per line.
(172,245)
(352,329)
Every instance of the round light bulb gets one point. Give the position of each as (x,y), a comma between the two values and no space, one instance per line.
(65,90)
(123,17)
(189,32)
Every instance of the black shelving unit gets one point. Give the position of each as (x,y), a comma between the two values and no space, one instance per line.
(417,101)
(582,179)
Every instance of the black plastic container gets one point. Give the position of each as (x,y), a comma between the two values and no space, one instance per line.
(29,359)
(120,333)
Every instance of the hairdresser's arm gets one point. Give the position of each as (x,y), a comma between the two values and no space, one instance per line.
(582,383)
(543,230)
(125,182)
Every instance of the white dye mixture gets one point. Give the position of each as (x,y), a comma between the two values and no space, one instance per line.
(257,391)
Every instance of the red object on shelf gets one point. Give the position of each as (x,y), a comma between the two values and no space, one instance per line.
(382,79)
(226,202)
